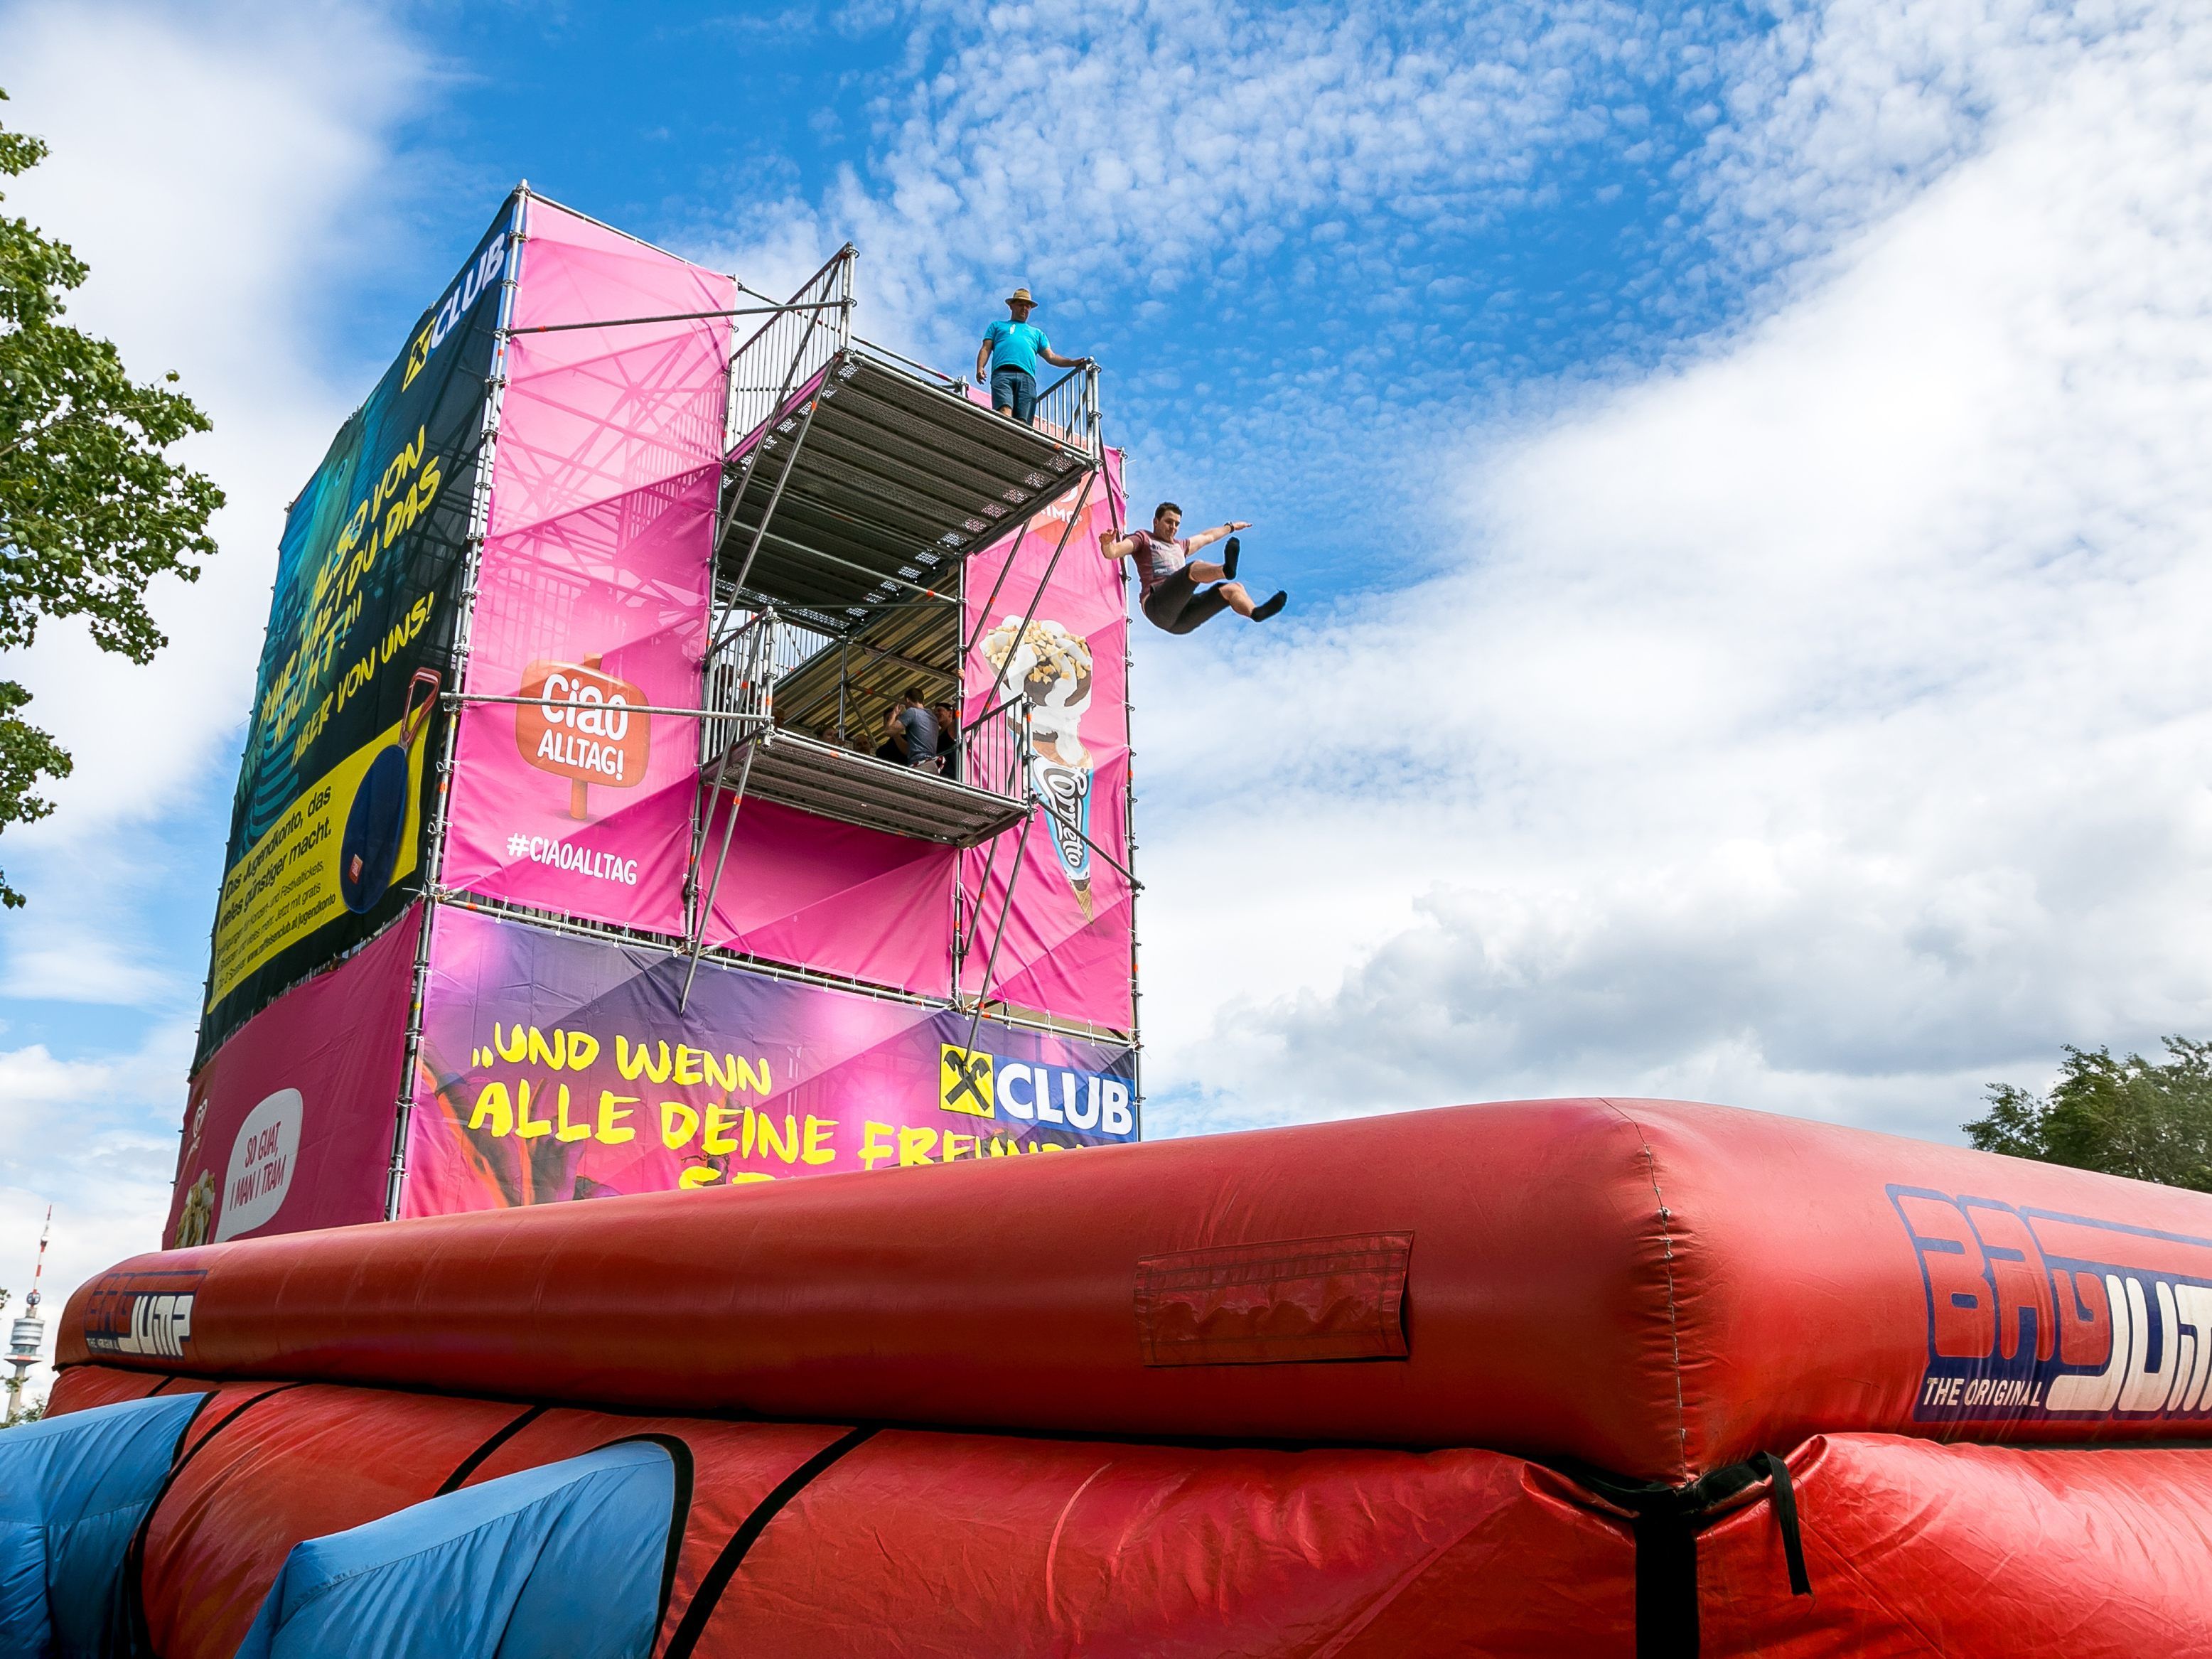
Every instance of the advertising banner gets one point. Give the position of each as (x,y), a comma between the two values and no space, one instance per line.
(290,1125)
(1066,946)
(326,829)
(816,893)
(555,1066)
(593,588)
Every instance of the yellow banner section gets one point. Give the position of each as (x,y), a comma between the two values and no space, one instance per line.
(288,884)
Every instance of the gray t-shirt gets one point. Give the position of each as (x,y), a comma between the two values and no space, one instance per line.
(1158,558)
(920,728)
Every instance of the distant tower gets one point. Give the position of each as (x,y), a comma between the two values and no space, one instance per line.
(28,1335)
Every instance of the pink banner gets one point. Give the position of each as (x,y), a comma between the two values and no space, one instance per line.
(1066,946)
(553,1067)
(834,897)
(594,584)
(289,1123)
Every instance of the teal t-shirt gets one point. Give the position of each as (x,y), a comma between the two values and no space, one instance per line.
(1015,345)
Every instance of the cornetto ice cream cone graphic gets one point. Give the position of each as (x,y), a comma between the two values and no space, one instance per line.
(585,730)
(1052,667)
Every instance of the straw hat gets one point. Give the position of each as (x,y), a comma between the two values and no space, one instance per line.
(1020,296)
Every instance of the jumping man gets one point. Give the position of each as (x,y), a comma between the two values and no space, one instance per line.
(1009,356)
(1177,596)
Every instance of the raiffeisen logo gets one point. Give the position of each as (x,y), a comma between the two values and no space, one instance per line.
(468,287)
(2032,1313)
(983,1085)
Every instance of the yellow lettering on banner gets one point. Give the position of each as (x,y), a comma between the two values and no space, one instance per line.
(914,1145)
(953,1143)
(700,1175)
(613,1114)
(525,1125)
(492,1103)
(741,1177)
(875,1143)
(630,1062)
(671,1136)
(512,1047)
(817,1132)
(583,1050)
(720,1121)
(785,1147)
(687,1067)
(551,1056)
(758,1084)
(566,1131)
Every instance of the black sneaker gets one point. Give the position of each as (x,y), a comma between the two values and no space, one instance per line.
(1268,607)
(1229,558)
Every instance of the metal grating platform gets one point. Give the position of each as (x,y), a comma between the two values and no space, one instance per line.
(837,783)
(898,478)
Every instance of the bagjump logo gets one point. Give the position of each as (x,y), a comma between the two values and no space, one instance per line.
(147,1314)
(1029,1091)
(2032,1313)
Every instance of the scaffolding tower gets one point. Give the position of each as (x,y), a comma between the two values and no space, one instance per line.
(858,485)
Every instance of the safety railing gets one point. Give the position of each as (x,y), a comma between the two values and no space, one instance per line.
(741,676)
(993,749)
(1068,409)
(791,348)
(990,752)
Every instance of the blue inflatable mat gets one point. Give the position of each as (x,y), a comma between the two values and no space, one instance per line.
(73,1489)
(565,1561)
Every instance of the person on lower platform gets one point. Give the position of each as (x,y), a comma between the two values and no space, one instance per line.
(1182,592)
(948,738)
(1006,361)
(915,729)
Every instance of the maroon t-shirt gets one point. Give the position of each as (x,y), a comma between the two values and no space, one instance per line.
(1158,558)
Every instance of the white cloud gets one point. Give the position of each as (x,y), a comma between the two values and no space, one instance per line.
(217,167)
(214,167)
(1092,145)
(1823,724)
(84,968)
(72,1135)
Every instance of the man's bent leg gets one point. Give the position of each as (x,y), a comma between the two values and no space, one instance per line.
(1202,608)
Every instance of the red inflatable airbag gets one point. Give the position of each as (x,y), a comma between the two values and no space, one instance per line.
(1655,1289)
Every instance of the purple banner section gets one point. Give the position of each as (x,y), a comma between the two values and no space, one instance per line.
(556,1066)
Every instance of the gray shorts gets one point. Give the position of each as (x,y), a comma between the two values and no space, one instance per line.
(1179,603)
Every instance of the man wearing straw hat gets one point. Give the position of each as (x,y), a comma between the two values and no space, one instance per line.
(1009,357)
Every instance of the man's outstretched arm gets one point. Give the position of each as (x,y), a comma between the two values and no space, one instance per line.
(1059,361)
(1113,547)
(1207,538)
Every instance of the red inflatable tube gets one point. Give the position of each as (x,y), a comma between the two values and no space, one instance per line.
(806,1539)
(1972,1553)
(939,1544)
(1654,1289)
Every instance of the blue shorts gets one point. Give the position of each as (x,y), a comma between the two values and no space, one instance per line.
(1014,388)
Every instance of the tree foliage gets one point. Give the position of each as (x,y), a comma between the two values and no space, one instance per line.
(2151,1120)
(91,509)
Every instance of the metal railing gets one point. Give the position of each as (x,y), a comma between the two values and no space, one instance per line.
(990,752)
(993,749)
(791,348)
(1068,409)
(741,676)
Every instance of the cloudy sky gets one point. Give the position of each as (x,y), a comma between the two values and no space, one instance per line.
(1738,472)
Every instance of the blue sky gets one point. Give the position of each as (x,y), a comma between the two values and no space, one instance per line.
(1738,470)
